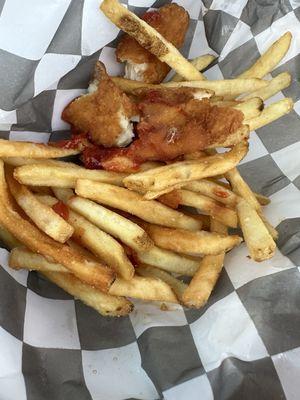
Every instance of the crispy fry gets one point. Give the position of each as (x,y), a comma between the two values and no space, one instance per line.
(104,303)
(98,242)
(52,175)
(19,161)
(250,108)
(176,284)
(149,38)
(191,243)
(145,288)
(268,61)
(276,84)
(168,261)
(260,244)
(63,194)
(213,190)
(225,87)
(203,282)
(42,215)
(200,63)
(186,171)
(112,223)
(126,200)
(9,148)
(91,272)
(270,114)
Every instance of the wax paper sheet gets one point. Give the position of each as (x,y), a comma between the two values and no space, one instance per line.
(245,343)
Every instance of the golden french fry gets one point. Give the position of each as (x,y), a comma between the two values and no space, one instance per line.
(145,288)
(19,161)
(110,222)
(152,272)
(63,194)
(9,148)
(191,243)
(233,138)
(57,176)
(250,108)
(168,261)
(98,242)
(260,244)
(276,84)
(224,87)
(126,200)
(91,272)
(8,239)
(42,215)
(199,63)
(186,171)
(268,61)
(270,114)
(213,190)
(149,38)
(203,282)
(104,303)
(208,206)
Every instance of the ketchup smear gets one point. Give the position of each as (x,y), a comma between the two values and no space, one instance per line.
(77,141)
(61,209)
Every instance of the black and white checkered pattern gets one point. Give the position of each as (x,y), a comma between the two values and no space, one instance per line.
(245,343)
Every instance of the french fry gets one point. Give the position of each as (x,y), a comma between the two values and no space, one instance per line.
(98,242)
(213,190)
(260,244)
(126,200)
(19,161)
(105,304)
(186,171)
(63,194)
(270,114)
(9,148)
(224,87)
(199,63)
(176,284)
(233,138)
(44,217)
(53,175)
(191,243)
(149,38)
(145,288)
(8,239)
(208,206)
(110,222)
(168,261)
(276,84)
(91,272)
(203,282)
(268,61)
(250,108)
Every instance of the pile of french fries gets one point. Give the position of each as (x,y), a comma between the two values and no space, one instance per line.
(107,237)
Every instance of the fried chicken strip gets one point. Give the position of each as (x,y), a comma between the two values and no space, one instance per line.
(171,21)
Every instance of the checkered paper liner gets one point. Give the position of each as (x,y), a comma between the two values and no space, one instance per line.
(245,343)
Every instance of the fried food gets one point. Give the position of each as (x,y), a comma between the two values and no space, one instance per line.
(171,21)
(104,113)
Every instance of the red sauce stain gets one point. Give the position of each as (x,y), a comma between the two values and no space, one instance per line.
(220,193)
(61,209)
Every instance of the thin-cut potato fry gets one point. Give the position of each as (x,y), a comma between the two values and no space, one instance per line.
(260,244)
(203,282)
(104,303)
(133,203)
(276,84)
(145,288)
(63,194)
(152,272)
(270,114)
(149,38)
(42,215)
(268,61)
(8,239)
(234,138)
(110,222)
(213,190)
(93,273)
(168,261)
(98,242)
(191,243)
(19,161)
(186,171)
(250,108)
(224,87)
(200,63)
(207,206)
(272,231)
(52,175)
(9,148)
